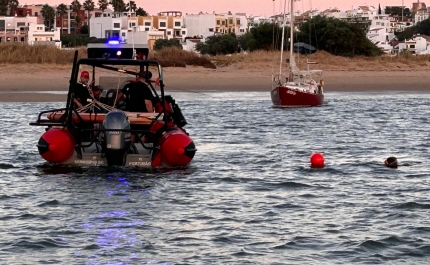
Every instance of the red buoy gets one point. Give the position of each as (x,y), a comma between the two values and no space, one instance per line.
(176,148)
(317,160)
(56,145)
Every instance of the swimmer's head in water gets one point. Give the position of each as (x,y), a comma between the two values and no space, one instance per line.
(391,162)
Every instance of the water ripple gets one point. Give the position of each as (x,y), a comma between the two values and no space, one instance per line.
(249,197)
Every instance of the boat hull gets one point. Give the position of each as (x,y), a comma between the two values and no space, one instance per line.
(284,97)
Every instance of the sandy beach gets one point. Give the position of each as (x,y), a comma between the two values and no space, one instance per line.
(34,83)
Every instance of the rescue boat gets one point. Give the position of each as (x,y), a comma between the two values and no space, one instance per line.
(100,133)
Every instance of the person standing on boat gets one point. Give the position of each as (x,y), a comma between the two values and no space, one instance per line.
(82,93)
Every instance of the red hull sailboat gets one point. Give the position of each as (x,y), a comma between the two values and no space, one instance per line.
(298,89)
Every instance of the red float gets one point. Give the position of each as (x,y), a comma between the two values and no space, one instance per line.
(56,145)
(317,160)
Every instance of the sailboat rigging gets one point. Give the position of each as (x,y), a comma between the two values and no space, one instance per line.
(298,89)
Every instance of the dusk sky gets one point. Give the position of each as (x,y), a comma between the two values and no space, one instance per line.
(250,7)
(255,7)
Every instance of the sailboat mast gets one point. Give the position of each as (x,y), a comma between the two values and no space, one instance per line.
(291,27)
(283,34)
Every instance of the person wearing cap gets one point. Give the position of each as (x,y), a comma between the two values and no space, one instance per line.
(82,93)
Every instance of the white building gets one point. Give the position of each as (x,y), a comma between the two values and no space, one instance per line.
(421,15)
(381,32)
(418,44)
(38,36)
(204,24)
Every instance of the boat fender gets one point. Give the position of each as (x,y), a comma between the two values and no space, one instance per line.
(176,148)
(322,82)
(56,145)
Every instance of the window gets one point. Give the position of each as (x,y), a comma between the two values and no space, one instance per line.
(116,25)
(123,34)
(36,14)
(238,21)
(146,29)
(218,23)
(241,30)
(183,32)
(177,23)
(412,46)
(230,21)
(223,23)
(20,24)
(211,29)
(162,24)
(169,33)
(147,23)
(132,24)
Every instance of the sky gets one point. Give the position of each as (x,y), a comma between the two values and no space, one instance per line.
(256,7)
(250,7)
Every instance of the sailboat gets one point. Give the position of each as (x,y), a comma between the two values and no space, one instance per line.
(298,88)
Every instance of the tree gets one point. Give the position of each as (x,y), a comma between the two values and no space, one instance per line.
(78,23)
(89,6)
(118,5)
(3,7)
(163,43)
(397,11)
(84,29)
(422,28)
(339,37)
(141,12)
(13,5)
(103,4)
(48,14)
(61,11)
(261,37)
(214,45)
(75,6)
(131,6)
(379,10)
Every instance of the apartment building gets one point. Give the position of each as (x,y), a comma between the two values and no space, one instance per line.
(26,30)
(205,24)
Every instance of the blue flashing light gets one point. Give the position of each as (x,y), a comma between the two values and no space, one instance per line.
(113,42)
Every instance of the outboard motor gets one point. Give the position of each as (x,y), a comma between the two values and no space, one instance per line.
(116,144)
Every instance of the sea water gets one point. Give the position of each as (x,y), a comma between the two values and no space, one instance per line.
(248,197)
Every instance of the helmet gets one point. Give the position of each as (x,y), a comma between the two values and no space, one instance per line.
(85,74)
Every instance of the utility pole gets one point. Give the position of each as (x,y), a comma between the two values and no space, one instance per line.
(402,10)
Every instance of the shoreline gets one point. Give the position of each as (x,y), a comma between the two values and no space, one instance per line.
(18,82)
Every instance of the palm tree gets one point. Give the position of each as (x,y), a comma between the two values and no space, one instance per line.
(131,6)
(75,7)
(78,23)
(89,6)
(48,14)
(141,12)
(103,4)
(118,5)
(13,4)
(61,11)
